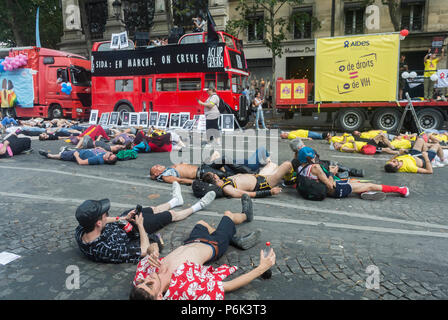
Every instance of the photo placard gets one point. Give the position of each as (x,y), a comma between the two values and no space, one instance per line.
(162,123)
(153,117)
(113,120)
(184,117)
(133,119)
(93,117)
(125,119)
(175,120)
(115,41)
(104,120)
(227,122)
(143,119)
(188,125)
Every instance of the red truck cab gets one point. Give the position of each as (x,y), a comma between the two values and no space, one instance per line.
(49,69)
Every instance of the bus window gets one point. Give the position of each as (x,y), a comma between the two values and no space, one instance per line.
(236,83)
(125,85)
(229,42)
(210,80)
(190,84)
(143,85)
(223,82)
(150,85)
(169,84)
(196,38)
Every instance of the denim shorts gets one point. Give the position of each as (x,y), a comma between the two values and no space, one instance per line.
(342,189)
(222,235)
(431,154)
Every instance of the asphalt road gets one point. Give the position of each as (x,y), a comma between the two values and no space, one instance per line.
(323,248)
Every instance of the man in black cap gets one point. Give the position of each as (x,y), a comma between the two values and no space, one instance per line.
(115,239)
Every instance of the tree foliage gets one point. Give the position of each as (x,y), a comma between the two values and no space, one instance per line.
(18,22)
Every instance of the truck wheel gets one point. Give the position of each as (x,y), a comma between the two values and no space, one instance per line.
(386,119)
(55,112)
(351,119)
(430,118)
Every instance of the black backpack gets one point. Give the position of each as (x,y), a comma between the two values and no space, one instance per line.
(310,189)
(200,189)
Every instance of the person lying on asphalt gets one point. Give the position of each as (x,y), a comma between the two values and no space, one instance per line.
(126,239)
(181,275)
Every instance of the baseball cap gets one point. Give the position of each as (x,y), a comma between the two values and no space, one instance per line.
(304,153)
(89,212)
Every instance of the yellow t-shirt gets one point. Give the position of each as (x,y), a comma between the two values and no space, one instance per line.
(441,137)
(401,144)
(298,134)
(341,138)
(371,134)
(409,164)
(431,65)
(356,144)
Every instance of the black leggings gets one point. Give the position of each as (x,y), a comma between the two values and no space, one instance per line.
(153,222)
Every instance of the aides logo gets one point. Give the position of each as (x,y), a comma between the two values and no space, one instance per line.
(349,44)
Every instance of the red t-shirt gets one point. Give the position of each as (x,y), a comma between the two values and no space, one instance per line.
(190,281)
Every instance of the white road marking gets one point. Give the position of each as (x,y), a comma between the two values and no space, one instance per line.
(258,218)
(270,202)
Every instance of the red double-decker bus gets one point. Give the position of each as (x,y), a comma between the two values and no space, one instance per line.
(170,78)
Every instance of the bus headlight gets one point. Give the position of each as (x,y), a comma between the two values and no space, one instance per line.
(79,110)
(236,108)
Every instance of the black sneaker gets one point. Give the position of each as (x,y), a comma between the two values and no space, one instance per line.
(246,242)
(247,208)
(28,151)
(43,153)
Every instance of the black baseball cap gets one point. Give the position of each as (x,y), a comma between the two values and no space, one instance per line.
(90,211)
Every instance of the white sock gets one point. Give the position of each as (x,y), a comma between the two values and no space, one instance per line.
(173,203)
(196,207)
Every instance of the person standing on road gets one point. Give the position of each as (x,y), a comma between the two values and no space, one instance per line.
(258,102)
(212,115)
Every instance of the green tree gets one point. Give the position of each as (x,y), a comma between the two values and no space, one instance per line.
(18,22)
(274,26)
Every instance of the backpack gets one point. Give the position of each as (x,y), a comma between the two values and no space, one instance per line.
(368,149)
(127,155)
(310,189)
(200,189)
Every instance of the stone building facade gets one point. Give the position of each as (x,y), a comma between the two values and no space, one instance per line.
(426,19)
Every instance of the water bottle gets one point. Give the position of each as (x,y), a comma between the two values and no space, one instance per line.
(268,273)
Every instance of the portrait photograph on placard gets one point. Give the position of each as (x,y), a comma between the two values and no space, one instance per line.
(175,120)
(184,117)
(153,117)
(104,119)
(163,120)
(115,41)
(93,117)
(125,119)
(227,122)
(123,40)
(113,120)
(188,125)
(143,119)
(133,116)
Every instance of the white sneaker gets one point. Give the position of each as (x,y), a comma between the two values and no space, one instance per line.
(207,199)
(437,164)
(373,195)
(176,193)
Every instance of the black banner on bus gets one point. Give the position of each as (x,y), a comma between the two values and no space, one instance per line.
(200,57)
